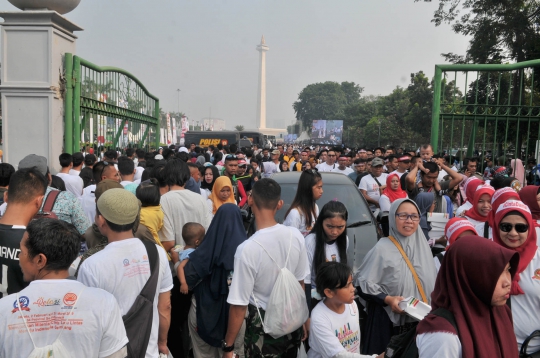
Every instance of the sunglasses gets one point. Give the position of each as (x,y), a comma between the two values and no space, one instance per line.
(507,227)
(231,156)
(406,161)
(105,165)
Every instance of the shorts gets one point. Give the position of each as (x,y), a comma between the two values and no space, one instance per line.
(258,344)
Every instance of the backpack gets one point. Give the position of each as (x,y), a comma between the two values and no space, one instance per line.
(404,345)
(47,211)
(54,350)
(286,310)
(138,320)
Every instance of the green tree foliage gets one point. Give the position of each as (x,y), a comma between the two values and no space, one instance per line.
(326,100)
(239,127)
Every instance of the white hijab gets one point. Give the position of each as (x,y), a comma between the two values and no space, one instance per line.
(385,271)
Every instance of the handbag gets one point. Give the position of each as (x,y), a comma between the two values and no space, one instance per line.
(411,267)
(523,352)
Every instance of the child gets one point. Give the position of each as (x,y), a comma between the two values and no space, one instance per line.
(193,235)
(151,214)
(335,329)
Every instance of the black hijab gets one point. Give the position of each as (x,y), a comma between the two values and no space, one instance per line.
(215,173)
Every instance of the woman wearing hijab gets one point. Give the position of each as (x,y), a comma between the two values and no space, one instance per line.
(518,171)
(530,195)
(514,230)
(200,160)
(222,193)
(470,187)
(455,228)
(210,273)
(481,205)
(391,193)
(209,176)
(384,278)
(499,197)
(476,298)
(425,201)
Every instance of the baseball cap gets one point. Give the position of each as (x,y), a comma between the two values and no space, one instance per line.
(274,152)
(118,206)
(241,162)
(183,149)
(377,162)
(34,160)
(158,157)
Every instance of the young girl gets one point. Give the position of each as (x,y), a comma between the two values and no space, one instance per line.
(327,241)
(481,205)
(151,214)
(334,327)
(209,176)
(304,211)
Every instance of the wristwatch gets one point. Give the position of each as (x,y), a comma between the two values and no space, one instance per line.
(225,348)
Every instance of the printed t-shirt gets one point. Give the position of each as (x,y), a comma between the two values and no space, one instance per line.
(332,333)
(438,344)
(323,167)
(11,276)
(255,272)
(345,171)
(331,252)
(524,307)
(122,268)
(371,187)
(94,328)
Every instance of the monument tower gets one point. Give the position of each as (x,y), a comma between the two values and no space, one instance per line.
(261,98)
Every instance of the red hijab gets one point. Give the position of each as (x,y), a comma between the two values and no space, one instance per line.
(500,196)
(455,227)
(529,247)
(473,212)
(470,187)
(393,194)
(483,330)
(528,196)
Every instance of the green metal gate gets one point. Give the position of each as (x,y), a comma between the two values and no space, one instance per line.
(487,108)
(107,107)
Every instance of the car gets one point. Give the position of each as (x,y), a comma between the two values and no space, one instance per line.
(362,228)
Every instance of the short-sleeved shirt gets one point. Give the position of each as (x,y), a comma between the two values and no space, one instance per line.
(122,268)
(255,272)
(371,186)
(88,320)
(11,276)
(68,208)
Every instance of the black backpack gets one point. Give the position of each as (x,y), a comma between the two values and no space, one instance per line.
(404,345)
(138,320)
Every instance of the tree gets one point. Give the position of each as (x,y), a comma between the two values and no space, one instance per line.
(499,31)
(239,127)
(326,100)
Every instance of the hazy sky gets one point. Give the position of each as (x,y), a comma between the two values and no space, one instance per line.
(207,48)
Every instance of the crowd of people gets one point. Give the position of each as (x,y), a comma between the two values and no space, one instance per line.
(146,254)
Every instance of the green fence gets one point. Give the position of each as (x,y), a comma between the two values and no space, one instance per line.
(491,109)
(107,106)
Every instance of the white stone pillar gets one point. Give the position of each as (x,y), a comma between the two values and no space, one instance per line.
(32,83)
(261,97)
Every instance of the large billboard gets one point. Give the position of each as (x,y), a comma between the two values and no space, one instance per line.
(327,132)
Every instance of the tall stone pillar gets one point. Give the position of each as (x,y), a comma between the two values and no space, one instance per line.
(33,83)
(261,97)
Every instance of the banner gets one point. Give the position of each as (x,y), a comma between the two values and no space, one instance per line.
(169,134)
(175,138)
(185,125)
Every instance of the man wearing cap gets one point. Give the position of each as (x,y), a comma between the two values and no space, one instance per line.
(329,164)
(403,164)
(24,195)
(242,176)
(66,207)
(342,166)
(275,158)
(372,185)
(122,267)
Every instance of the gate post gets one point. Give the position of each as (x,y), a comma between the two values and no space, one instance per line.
(436,109)
(34,44)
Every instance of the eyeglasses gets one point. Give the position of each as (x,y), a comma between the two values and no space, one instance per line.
(405,216)
(507,227)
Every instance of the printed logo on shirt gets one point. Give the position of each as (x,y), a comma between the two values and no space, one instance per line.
(70,299)
(126,262)
(349,340)
(145,258)
(536,274)
(9,253)
(135,261)
(45,302)
(23,302)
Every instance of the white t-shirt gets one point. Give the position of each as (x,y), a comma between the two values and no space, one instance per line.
(122,268)
(369,184)
(331,251)
(463,207)
(138,174)
(74,184)
(474,222)
(88,202)
(442,174)
(398,173)
(345,171)
(438,344)
(296,219)
(95,328)
(524,307)
(323,167)
(74,172)
(384,203)
(332,333)
(181,207)
(255,271)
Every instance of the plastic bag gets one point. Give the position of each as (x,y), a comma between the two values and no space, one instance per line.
(301,351)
